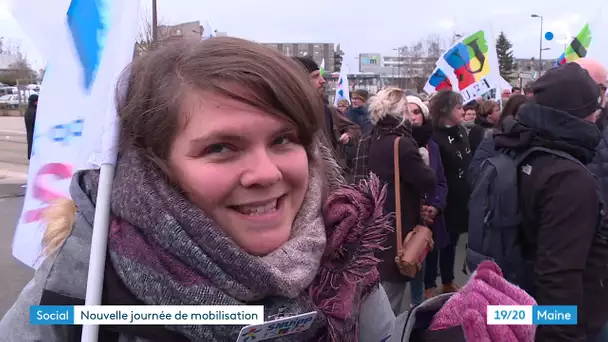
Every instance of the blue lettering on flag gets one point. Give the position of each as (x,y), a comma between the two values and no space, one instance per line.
(88,23)
(51,314)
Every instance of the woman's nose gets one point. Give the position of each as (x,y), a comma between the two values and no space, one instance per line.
(262,170)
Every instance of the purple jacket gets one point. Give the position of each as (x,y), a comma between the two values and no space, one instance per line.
(437,197)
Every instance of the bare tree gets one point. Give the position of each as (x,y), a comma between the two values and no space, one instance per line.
(145,37)
(19,69)
(420,60)
(412,56)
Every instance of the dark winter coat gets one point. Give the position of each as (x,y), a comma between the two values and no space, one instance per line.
(30,120)
(478,132)
(456,156)
(360,116)
(560,203)
(416,180)
(437,197)
(484,151)
(599,165)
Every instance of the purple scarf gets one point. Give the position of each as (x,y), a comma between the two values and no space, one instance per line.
(168,252)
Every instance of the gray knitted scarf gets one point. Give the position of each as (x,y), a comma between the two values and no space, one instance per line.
(168,252)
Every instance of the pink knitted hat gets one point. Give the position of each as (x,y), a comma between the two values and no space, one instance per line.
(468,307)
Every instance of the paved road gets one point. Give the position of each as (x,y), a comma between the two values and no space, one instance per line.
(13,151)
(13,173)
(13,274)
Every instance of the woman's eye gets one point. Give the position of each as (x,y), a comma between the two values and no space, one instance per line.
(282,140)
(217,148)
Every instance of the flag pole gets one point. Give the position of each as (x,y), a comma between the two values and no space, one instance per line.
(99,243)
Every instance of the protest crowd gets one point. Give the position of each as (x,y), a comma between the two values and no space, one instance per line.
(238,182)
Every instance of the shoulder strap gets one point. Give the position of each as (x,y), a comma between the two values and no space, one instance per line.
(523,156)
(398,229)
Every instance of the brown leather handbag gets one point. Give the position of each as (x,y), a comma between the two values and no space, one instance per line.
(411,251)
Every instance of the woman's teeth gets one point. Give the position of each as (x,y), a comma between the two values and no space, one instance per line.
(258,209)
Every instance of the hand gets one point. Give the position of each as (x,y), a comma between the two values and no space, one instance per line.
(428,213)
(344,138)
(424,153)
(431,211)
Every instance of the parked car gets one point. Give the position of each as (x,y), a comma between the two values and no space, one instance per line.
(9,101)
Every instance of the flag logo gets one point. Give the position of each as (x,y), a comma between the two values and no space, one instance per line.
(88,23)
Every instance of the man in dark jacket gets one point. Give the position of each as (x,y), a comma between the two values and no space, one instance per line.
(30,120)
(338,129)
(563,240)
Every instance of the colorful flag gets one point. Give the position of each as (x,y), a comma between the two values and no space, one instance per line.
(473,64)
(322,67)
(438,81)
(93,42)
(469,58)
(342,91)
(577,48)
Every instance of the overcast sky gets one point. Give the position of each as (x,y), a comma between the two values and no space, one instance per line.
(364,26)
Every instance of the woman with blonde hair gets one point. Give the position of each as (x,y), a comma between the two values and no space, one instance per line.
(391,118)
(342,106)
(223,195)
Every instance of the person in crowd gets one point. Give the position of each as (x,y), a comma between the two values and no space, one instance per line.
(486,148)
(358,113)
(342,106)
(30,121)
(505,95)
(446,112)
(391,118)
(597,166)
(515,91)
(600,75)
(566,266)
(236,202)
(470,113)
(488,115)
(339,130)
(528,90)
(435,200)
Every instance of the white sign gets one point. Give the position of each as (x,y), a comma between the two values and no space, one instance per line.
(92,44)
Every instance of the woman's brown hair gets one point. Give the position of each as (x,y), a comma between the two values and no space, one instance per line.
(486,107)
(150,112)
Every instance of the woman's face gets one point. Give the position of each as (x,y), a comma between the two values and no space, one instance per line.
(470,115)
(416,114)
(342,107)
(457,114)
(243,167)
(494,115)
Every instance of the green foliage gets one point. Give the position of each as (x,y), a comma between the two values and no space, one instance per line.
(505,56)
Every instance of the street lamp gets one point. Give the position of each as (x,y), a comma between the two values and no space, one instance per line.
(398,60)
(540,50)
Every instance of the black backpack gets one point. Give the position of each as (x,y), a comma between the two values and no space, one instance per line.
(495,217)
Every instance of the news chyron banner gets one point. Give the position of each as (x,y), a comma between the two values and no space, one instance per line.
(251,316)
(87,44)
(532,315)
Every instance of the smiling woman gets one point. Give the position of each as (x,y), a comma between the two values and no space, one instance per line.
(223,195)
